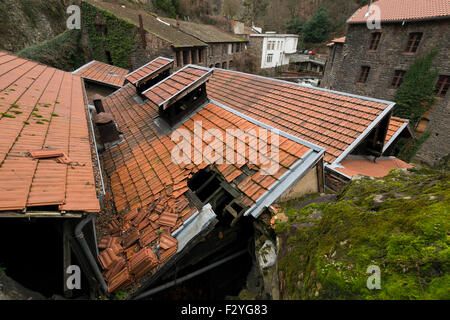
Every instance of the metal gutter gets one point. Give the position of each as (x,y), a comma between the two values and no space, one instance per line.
(84,246)
(84,66)
(287,180)
(93,138)
(364,134)
(396,134)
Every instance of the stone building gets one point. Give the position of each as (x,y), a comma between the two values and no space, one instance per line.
(222,48)
(155,38)
(372,62)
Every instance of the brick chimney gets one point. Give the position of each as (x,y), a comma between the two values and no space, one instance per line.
(106,127)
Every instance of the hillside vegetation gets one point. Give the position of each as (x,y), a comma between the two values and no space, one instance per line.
(27,22)
(400,223)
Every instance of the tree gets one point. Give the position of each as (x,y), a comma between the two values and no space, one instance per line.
(169,7)
(318,26)
(253,9)
(295,25)
(416,94)
(231,8)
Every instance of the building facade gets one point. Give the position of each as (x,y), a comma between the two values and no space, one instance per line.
(373,62)
(273,50)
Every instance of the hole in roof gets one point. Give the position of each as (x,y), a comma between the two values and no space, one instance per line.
(112,74)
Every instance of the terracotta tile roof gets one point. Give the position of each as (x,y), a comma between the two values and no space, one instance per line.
(148,70)
(395,124)
(43,108)
(353,167)
(171,87)
(401,10)
(337,40)
(175,37)
(102,72)
(332,120)
(149,189)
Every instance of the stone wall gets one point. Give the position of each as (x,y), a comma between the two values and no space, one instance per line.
(341,73)
(218,54)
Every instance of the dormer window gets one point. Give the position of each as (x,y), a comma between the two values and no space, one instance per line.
(150,73)
(180,93)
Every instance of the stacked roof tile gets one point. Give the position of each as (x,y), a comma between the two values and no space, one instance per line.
(148,70)
(102,72)
(42,109)
(404,10)
(332,120)
(182,80)
(150,189)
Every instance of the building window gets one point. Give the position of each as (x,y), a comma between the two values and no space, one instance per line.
(269,58)
(230,64)
(273,45)
(217,65)
(413,42)
(238,47)
(269,43)
(397,79)
(442,86)
(224,65)
(200,55)
(374,41)
(363,74)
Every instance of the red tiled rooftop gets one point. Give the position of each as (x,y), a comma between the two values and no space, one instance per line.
(176,84)
(102,72)
(395,124)
(43,108)
(332,120)
(148,70)
(149,188)
(401,10)
(366,167)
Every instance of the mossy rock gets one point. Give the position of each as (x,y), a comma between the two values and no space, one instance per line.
(406,236)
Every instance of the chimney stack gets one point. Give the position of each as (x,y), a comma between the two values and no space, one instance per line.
(106,127)
(98,106)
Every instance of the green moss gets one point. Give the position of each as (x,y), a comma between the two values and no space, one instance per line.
(26,122)
(118,40)
(39,122)
(63,52)
(36,109)
(406,235)
(17,112)
(14,106)
(55,115)
(7,115)
(36,115)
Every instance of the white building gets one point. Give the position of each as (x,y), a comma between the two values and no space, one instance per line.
(275,48)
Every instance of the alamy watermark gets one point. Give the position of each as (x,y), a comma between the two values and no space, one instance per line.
(74,20)
(73,281)
(373,281)
(254,146)
(373,16)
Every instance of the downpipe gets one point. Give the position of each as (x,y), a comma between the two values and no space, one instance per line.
(82,241)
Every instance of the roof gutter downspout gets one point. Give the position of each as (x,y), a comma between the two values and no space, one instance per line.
(80,237)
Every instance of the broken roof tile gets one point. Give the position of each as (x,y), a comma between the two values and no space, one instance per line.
(166,241)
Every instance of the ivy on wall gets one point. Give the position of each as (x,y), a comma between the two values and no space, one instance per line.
(108,33)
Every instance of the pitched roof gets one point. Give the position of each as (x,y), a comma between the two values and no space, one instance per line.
(204,32)
(395,128)
(337,40)
(333,120)
(404,10)
(102,72)
(366,167)
(149,70)
(151,189)
(43,108)
(172,35)
(176,84)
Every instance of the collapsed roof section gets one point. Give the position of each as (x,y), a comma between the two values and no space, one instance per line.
(149,70)
(45,152)
(158,196)
(102,73)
